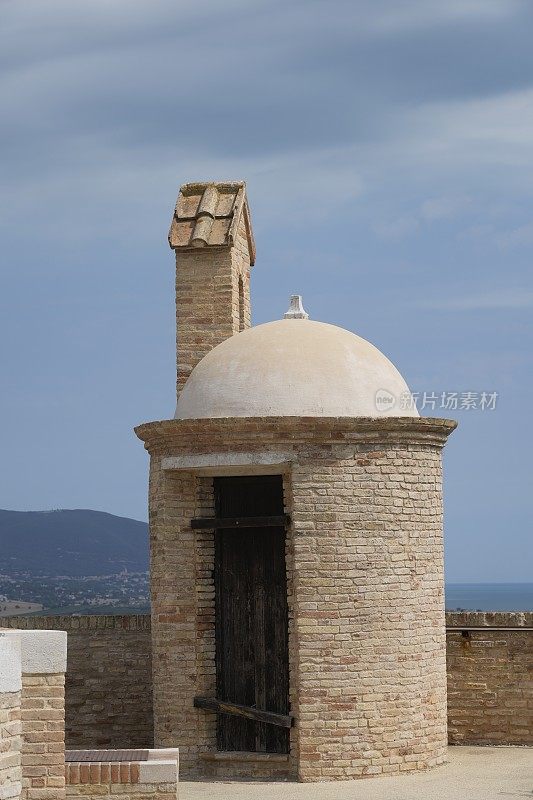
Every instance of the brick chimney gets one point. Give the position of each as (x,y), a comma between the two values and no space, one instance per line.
(211,234)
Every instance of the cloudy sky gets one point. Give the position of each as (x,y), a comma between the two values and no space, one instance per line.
(388,152)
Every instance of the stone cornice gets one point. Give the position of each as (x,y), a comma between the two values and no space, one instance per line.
(193,435)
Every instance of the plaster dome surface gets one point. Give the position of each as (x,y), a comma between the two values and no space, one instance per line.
(294,367)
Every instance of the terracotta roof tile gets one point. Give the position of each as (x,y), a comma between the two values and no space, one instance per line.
(209,214)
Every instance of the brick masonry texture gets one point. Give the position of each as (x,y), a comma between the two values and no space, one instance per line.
(365,591)
(10,746)
(125,792)
(43,737)
(490,681)
(490,678)
(212,299)
(109,680)
(103,779)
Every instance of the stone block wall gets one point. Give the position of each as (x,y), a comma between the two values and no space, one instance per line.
(10,720)
(109,678)
(490,678)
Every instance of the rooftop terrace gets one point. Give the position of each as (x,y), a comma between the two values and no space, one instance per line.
(472,773)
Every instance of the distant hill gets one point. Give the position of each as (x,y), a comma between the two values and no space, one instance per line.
(76,543)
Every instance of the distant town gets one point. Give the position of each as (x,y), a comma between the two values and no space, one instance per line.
(25,593)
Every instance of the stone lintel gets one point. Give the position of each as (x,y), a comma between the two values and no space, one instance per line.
(230,463)
(42,652)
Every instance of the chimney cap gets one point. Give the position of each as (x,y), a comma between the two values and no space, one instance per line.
(209,214)
(296,309)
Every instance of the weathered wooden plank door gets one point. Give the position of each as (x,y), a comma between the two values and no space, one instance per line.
(252,658)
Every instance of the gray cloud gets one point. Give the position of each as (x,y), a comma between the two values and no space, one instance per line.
(388,152)
(244,79)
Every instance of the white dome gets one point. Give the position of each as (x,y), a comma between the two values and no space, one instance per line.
(294,367)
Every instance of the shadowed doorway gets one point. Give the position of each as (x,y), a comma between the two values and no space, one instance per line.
(251,628)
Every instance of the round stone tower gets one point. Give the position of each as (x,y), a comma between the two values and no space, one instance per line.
(295,533)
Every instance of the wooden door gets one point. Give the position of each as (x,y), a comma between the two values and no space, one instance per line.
(252,659)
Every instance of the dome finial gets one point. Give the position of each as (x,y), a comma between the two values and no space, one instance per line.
(296,309)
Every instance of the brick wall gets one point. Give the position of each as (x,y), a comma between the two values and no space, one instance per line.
(10,720)
(109,682)
(10,743)
(212,296)
(365,583)
(155,777)
(490,678)
(43,737)
(369,610)
(42,664)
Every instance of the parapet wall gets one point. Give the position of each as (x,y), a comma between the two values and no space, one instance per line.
(490,680)
(132,774)
(109,678)
(33,762)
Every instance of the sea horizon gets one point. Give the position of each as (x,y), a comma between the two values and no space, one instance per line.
(489,596)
